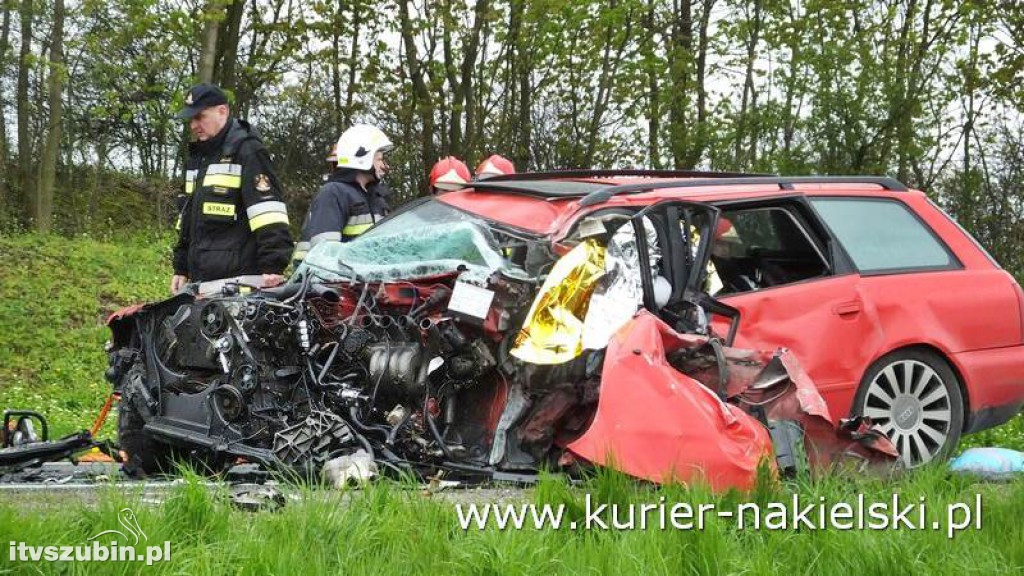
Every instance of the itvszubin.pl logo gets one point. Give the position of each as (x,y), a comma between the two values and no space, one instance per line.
(129,544)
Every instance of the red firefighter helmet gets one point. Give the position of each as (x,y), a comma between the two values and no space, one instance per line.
(495,166)
(724,228)
(449,174)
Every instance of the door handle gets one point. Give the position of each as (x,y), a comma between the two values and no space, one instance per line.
(847,308)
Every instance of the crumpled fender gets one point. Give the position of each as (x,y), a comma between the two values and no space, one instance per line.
(855,441)
(656,423)
(123,313)
(122,322)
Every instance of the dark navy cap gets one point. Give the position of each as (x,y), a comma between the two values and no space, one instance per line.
(200,97)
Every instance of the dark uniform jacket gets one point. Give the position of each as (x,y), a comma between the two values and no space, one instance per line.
(232,220)
(342,210)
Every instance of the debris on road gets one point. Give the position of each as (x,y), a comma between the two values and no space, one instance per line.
(989,463)
(351,470)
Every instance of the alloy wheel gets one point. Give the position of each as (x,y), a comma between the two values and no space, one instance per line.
(911,404)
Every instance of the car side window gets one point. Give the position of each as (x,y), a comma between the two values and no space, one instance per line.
(882,235)
(762,247)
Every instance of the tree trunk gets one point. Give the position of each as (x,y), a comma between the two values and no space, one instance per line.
(971,82)
(900,116)
(4,45)
(611,58)
(465,99)
(48,170)
(421,96)
(701,137)
(525,124)
(227,40)
(467,88)
(353,64)
(789,114)
(505,130)
(916,86)
(680,66)
(740,162)
(208,48)
(337,21)
(451,143)
(24,114)
(653,89)
(97,183)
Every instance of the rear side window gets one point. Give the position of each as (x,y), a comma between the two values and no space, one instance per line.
(883,235)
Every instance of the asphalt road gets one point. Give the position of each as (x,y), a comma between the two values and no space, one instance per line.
(57,484)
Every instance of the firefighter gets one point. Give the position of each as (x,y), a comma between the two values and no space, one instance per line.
(495,165)
(232,221)
(448,174)
(353,198)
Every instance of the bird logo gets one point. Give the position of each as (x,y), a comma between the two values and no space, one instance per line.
(126,517)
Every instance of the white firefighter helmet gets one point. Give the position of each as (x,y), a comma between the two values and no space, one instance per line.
(358,145)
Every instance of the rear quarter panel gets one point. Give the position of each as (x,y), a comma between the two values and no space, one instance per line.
(972,315)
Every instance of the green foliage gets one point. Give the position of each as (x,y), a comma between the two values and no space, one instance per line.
(867,87)
(986,204)
(1008,75)
(129,86)
(104,204)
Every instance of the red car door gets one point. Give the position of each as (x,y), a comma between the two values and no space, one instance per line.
(831,329)
(794,290)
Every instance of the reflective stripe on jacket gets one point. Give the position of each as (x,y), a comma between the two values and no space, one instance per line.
(232,220)
(341,211)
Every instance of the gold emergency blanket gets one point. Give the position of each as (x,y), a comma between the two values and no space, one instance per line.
(553,330)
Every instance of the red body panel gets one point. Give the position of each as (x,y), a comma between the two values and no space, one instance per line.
(972,316)
(954,311)
(827,325)
(993,377)
(527,213)
(656,423)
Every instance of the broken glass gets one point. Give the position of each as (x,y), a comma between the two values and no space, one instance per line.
(427,240)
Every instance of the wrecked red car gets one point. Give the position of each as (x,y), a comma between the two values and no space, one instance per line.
(894,311)
(558,321)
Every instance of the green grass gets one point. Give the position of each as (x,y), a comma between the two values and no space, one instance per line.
(385,529)
(56,295)
(1009,435)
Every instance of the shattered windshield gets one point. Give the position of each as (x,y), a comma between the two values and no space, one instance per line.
(426,240)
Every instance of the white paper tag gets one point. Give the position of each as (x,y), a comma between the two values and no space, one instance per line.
(470,300)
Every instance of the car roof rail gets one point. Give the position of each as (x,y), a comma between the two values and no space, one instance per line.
(611,173)
(783,182)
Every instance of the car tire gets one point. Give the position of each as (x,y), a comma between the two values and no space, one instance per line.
(914,397)
(146,456)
